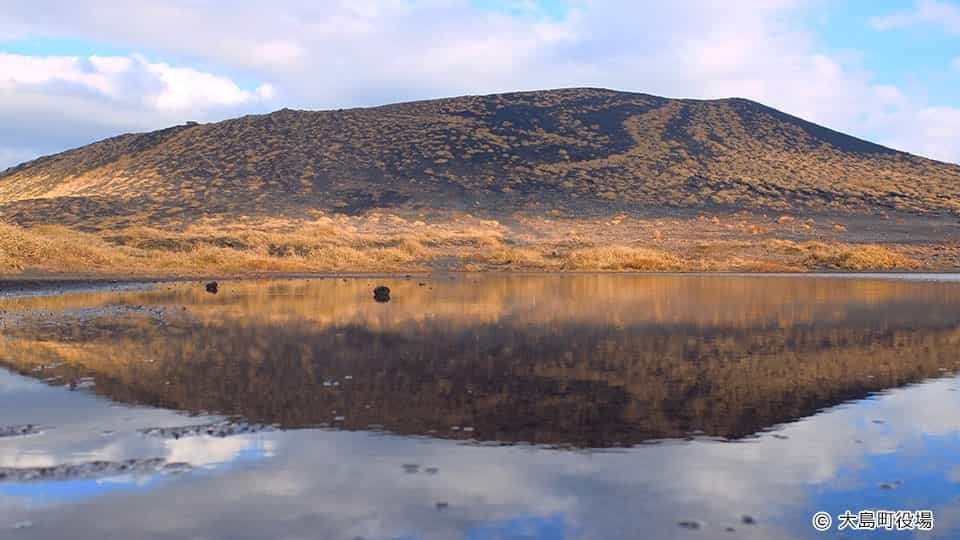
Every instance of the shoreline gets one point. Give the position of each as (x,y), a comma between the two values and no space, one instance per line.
(52,284)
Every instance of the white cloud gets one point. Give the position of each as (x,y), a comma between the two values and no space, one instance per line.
(49,104)
(935,12)
(278,53)
(926,130)
(206,451)
(123,78)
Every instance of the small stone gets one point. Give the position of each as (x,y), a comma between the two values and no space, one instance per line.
(690,524)
(177,468)
(381,294)
(442,505)
(748,520)
(212,287)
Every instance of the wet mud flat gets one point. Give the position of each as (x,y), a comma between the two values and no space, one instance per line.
(585,406)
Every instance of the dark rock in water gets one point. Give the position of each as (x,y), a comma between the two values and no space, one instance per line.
(381,294)
(93,469)
(748,520)
(212,287)
(222,429)
(15,431)
(690,524)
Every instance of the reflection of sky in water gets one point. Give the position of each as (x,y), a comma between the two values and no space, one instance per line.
(72,490)
(204,453)
(328,484)
(839,339)
(79,427)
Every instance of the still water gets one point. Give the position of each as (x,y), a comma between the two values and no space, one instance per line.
(480,408)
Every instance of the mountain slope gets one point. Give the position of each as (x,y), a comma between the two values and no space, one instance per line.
(584,151)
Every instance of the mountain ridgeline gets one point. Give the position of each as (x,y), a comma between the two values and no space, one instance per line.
(581,151)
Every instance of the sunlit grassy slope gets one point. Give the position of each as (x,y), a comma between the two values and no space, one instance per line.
(576,179)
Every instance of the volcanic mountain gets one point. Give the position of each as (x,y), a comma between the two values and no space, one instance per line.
(581,151)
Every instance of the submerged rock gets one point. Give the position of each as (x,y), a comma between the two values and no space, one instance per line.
(17,431)
(381,294)
(226,428)
(212,287)
(93,469)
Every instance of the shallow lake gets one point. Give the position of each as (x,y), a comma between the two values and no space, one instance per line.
(481,407)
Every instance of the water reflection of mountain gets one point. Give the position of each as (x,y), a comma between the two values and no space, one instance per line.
(587,361)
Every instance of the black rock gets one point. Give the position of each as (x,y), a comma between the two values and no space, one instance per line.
(381,294)
(212,287)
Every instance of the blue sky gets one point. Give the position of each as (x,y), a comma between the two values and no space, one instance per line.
(71,73)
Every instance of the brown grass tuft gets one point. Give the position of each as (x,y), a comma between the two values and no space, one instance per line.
(621,258)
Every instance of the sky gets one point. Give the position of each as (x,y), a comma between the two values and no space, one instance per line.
(75,72)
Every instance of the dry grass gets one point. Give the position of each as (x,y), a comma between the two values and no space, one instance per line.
(838,256)
(200,251)
(59,248)
(622,258)
(392,244)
